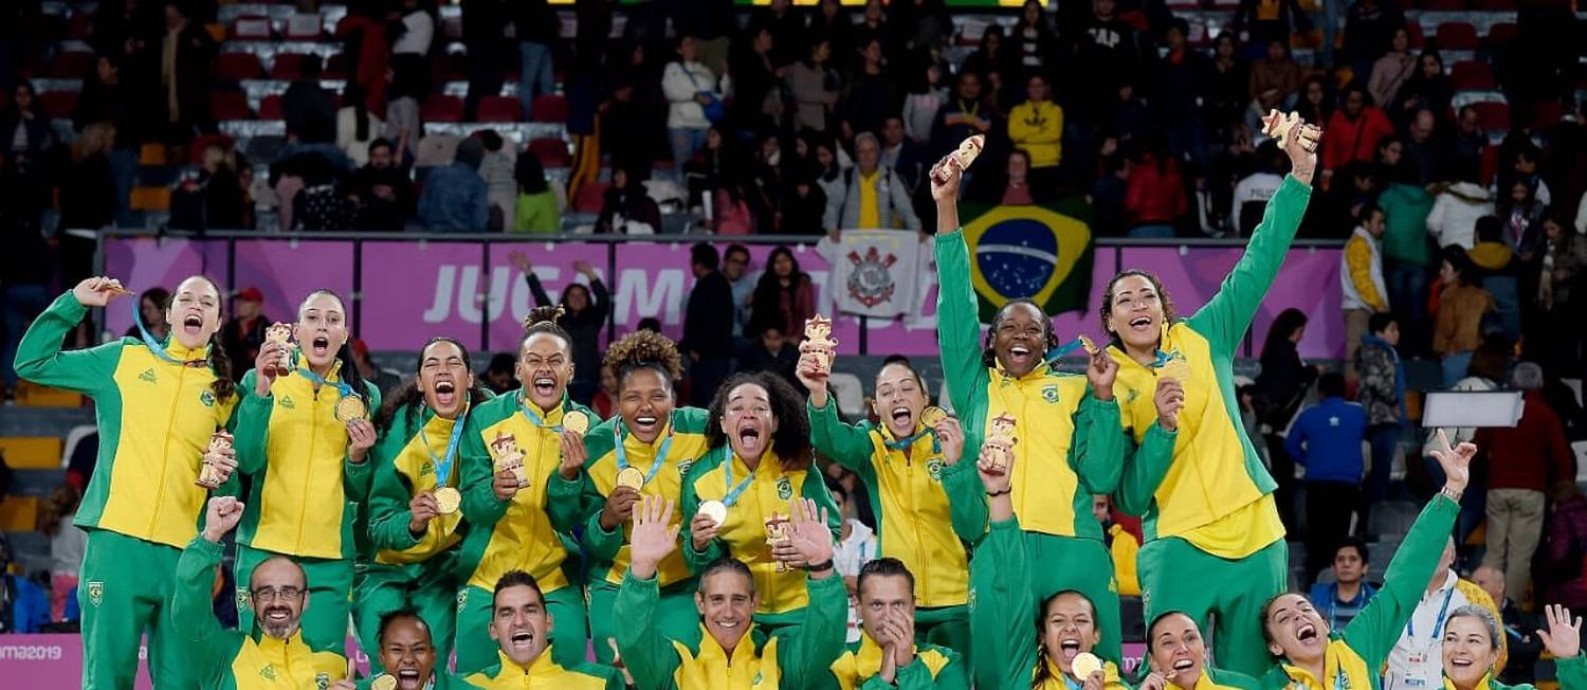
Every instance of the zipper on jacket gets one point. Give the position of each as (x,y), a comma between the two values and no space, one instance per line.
(165,451)
(308,477)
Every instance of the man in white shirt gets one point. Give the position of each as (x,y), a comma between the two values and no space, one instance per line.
(857,547)
(1416,662)
(1256,188)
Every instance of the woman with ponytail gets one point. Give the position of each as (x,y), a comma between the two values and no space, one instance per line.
(304,436)
(511,448)
(414,522)
(652,441)
(157,404)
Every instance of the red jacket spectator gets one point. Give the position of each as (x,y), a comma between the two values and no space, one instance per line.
(1156,193)
(1533,454)
(1356,138)
(367,54)
(1566,550)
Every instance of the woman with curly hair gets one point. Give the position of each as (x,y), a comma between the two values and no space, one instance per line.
(414,523)
(645,449)
(737,494)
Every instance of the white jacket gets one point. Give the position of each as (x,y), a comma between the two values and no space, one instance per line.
(1374,267)
(683,112)
(1455,213)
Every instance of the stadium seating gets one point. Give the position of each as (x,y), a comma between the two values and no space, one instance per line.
(1456,36)
(553,153)
(232,67)
(442,108)
(499,109)
(31,452)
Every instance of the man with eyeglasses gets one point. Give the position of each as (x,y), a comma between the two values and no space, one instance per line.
(273,654)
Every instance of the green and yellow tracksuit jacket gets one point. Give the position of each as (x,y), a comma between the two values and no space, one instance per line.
(407,459)
(933,667)
(440,680)
(1572,674)
(515,534)
(794,662)
(232,659)
(306,489)
(1205,483)
(1067,448)
(1359,651)
(913,514)
(546,674)
(155,419)
(769,490)
(582,500)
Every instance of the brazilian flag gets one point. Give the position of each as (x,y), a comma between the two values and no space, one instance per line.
(1042,253)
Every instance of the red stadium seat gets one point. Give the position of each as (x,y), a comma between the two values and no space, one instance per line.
(59,104)
(1418,39)
(549,107)
(73,65)
(1501,34)
(270,107)
(442,108)
(238,66)
(336,67)
(1456,36)
(230,105)
(1546,114)
(1469,75)
(195,153)
(498,109)
(1495,117)
(251,27)
(553,153)
(288,66)
(591,196)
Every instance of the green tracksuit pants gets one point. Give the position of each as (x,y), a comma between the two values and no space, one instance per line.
(330,594)
(676,615)
(476,651)
(423,587)
(125,589)
(945,626)
(1176,576)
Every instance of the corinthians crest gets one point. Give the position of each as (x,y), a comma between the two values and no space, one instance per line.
(872,283)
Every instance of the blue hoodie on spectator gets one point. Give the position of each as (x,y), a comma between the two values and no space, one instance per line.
(1326,439)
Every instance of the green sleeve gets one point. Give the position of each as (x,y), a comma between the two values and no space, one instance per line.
(603,545)
(916,676)
(40,359)
(477,473)
(1002,612)
(389,492)
(847,445)
(1377,628)
(1099,445)
(1572,672)
(251,435)
(1144,470)
(1234,680)
(1227,316)
(806,659)
(966,499)
(647,653)
(959,324)
(357,475)
(689,504)
(565,500)
(193,611)
(815,489)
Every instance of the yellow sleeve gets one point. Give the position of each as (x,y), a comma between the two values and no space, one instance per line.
(1358,257)
(1125,550)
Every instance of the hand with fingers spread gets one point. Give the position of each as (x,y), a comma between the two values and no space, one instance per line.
(573,455)
(1563,637)
(97,292)
(619,507)
(809,536)
(1169,399)
(360,438)
(422,508)
(950,436)
(1101,372)
(653,538)
(1456,463)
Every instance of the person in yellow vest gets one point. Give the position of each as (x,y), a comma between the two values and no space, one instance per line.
(157,406)
(732,653)
(1036,127)
(887,655)
(1311,655)
(521,628)
(645,450)
(304,435)
(1471,649)
(1122,546)
(738,495)
(414,518)
(511,447)
(269,654)
(1176,658)
(901,460)
(1205,496)
(1064,427)
(407,653)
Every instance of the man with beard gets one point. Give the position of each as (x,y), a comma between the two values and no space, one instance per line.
(271,655)
(384,191)
(522,627)
(408,655)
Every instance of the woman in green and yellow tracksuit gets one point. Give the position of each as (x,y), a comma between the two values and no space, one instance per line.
(304,437)
(1473,648)
(901,460)
(1176,658)
(1065,428)
(507,506)
(759,461)
(1311,656)
(651,437)
(732,654)
(156,406)
(421,427)
(1206,497)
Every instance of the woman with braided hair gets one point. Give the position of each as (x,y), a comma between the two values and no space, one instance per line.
(511,448)
(645,449)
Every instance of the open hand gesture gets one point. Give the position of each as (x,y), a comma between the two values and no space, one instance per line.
(653,538)
(1563,637)
(808,533)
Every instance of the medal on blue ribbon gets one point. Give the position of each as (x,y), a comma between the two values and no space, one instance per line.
(655,465)
(154,345)
(350,406)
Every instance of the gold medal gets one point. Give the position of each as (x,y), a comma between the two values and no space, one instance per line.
(1084,665)
(350,408)
(931,415)
(576,422)
(1177,369)
(447,500)
(383,682)
(1085,342)
(716,510)
(631,477)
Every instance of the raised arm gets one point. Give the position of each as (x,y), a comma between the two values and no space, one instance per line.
(40,359)
(1097,453)
(251,433)
(805,658)
(958,311)
(648,654)
(192,608)
(1002,634)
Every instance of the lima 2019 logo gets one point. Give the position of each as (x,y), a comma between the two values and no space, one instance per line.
(1023,252)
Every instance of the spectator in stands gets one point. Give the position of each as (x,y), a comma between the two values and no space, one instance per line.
(1525,646)
(872,92)
(496,168)
(709,346)
(1341,601)
(24,608)
(712,166)
(757,90)
(1521,213)
(922,103)
(1014,187)
(961,117)
(25,131)
(773,352)
(1264,22)
(536,209)
(731,214)
(1382,393)
(627,208)
(902,154)
(1423,149)
(787,27)
(1564,581)
(989,55)
(1124,545)
(833,22)
(1155,199)
(1252,192)
(1453,220)
(1037,127)
(1428,89)
(870,196)
(1446,592)
(1184,81)
(1390,71)
(383,378)
(366,51)
(784,296)
(857,545)
(1107,46)
(815,87)
(1316,102)
(1276,77)
(1466,151)
(1354,131)
(1524,463)
(24,272)
(88,189)
(537,28)
(454,197)
(1462,304)
(67,543)
(690,87)
(1283,384)
(1107,195)
(411,37)
(244,333)
(1496,264)
(224,207)
(583,311)
(735,267)
(1524,166)
(383,189)
(1032,42)
(1560,294)
(309,109)
(920,25)
(151,310)
(1361,277)
(186,57)
(356,127)
(1326,439)
(802,210)
(1230,90)
(873,25)
(103,97)
(500,374)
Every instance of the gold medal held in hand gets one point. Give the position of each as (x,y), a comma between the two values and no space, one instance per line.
(631,477)
(931,415)
(383,682)
(351,408)
(716,510)
(576,422)
(447,500)
(1177,369)
(1085,342)
(1085,664)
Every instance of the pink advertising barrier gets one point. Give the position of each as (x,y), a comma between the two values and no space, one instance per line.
(412,290)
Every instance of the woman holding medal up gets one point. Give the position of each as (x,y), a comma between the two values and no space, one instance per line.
(303,434)
(158,406)
(414,502)
(511,447)
(737,496)
(643,451)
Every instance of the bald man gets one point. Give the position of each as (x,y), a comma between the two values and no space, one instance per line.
(1520,628)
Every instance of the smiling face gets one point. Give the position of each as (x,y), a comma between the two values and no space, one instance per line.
(444,378)
(899,399)
(645,403)
(1019,338)
(321,329)
(407,653)
(577,298)
(521,625)
(194,314)
(279,597)
(1295,630)
(1069,627)
(1177,648)
(1135,313)
(747,420)
(726,602)
(544,369)
(1468,651)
